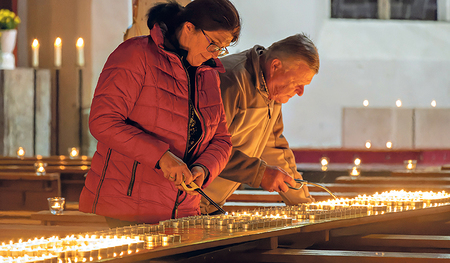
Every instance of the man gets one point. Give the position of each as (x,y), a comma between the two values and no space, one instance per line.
(257,81)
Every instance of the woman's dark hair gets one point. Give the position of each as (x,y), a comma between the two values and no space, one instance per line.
(210,15)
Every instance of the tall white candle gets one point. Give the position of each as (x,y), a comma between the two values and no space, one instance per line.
(35,57)
(58,46)
(80,52)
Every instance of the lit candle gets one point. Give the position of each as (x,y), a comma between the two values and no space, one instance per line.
(433,103)
(366,103)
(80,52)
(368,144)
(20,152)
(398,103)
(355,171)
(357,161)
(389,145)
(35,58)
(58,46)
(73,152)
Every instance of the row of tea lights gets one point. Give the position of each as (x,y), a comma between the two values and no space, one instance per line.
(118,242)
(399,103)
(40,166)
(73,152)
(356,170)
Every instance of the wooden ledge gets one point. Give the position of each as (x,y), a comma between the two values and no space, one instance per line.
(69,218)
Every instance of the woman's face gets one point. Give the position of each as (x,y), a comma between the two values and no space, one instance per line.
(196,41)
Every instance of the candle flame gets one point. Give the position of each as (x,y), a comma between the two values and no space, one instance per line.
(80,42)
(35,43)
(58,42)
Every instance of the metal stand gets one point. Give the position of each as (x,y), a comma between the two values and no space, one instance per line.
(80,108)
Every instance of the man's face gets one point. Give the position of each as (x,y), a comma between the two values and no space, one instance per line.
(287,80)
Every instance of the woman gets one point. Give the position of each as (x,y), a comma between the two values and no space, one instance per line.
(158,116)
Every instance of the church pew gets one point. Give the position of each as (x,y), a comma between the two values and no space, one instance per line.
(71,177)
(27,191)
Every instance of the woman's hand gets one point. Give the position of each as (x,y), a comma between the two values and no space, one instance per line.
(198,176)
(175,170)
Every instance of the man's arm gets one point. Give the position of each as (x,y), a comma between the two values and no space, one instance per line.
(278,153)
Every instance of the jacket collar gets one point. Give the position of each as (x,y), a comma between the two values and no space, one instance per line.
(254,67)
(157,34)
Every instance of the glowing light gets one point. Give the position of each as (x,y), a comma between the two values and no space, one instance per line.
(357,161)
(368,144)
(366,103)
(20,152)
(389,145)
(398,103)
(355,171)
(324,161)
(433,103)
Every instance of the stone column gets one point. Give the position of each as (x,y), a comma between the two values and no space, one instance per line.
(17,111)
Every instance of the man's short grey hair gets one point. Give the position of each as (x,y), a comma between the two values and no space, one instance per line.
(295,48)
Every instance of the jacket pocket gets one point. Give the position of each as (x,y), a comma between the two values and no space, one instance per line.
(102,178)
(133,177)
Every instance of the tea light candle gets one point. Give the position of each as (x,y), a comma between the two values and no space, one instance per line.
(20,152)
(40,168)
(398,103)
(35,55)
(74,152)
(389,145)
(368,144)
(58,47)
(366,103)
(357,161)
(433,103)
(80,52)
(354,171)
(410,164)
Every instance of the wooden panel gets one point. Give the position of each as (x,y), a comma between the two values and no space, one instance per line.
(438,181)
(337,256)
(68,218)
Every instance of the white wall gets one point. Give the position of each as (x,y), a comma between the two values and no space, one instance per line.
(378,60)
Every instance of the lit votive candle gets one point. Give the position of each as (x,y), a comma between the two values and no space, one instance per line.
(355,171)
(20,152)
(410,164)
(56,205)
(74,152)
(39,167)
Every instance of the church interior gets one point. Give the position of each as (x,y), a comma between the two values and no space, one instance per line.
(370,136)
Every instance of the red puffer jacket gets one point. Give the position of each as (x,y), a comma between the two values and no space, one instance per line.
(139,111)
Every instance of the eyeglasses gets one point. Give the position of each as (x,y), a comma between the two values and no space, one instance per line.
(214,48)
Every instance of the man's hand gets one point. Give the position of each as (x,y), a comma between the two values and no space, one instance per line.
(175,170)
(275,179)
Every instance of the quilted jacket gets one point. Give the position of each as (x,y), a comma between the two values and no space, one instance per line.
(139,111)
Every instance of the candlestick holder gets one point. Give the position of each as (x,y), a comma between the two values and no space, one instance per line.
(56,205)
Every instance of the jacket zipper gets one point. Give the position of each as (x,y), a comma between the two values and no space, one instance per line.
(102,178)
(133,175)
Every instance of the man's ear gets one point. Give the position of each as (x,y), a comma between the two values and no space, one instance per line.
(188,28)
(275,65)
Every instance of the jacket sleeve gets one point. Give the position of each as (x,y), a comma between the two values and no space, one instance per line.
(241,168)
(217,153)
(278,153)
(117,91)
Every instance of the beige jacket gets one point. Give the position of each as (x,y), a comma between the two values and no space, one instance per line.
(256,125)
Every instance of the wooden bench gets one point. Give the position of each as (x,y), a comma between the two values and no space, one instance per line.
(72,177)
(27,191)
